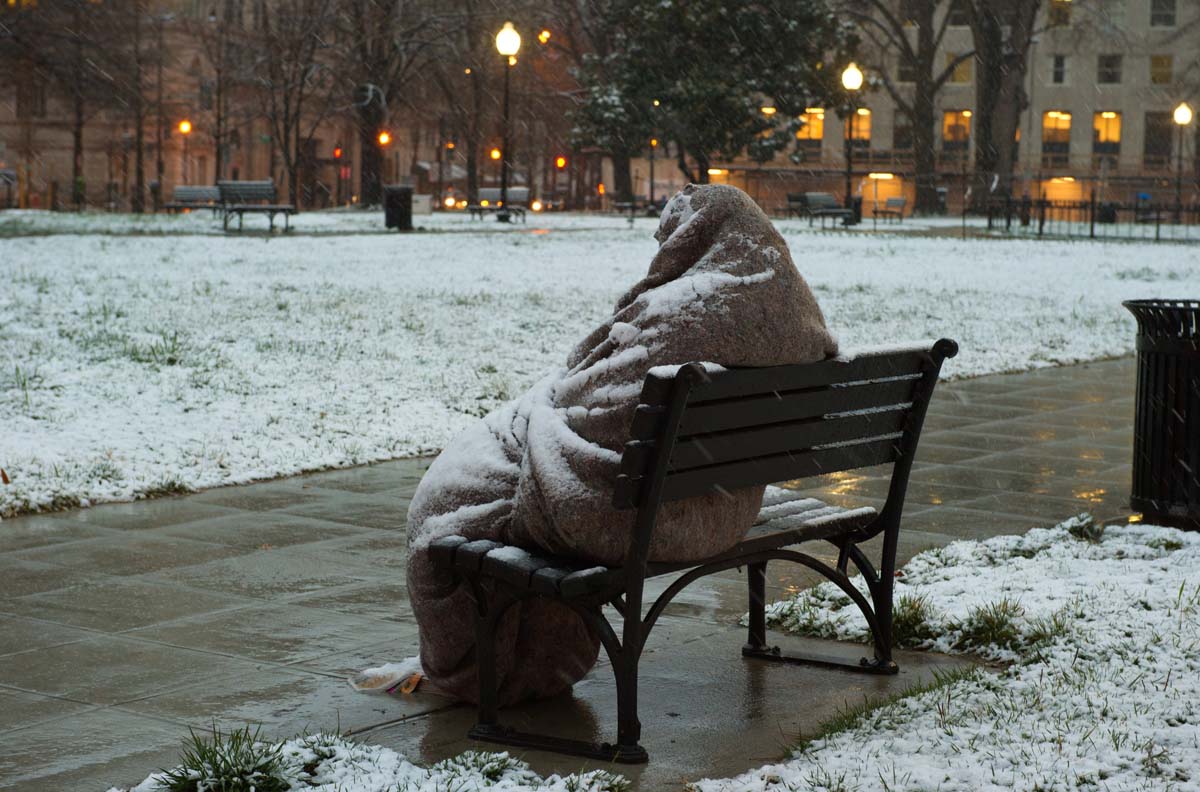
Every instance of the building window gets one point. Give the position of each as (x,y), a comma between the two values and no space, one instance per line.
(908,12)
(1106,132)
(1108,69)
(906,72)
(812,128)
(860,128)
(1157,146)
(1162,68)
(31,99)
(1060,13)
(902,134)
(962,72)
(1058,69)
(957,16)
(956,130)
(1162,13)
(1056,138)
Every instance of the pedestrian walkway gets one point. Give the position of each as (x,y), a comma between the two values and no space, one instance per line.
(123,626)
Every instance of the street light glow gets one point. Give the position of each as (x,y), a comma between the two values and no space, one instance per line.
(185,127)
(544,36)
(560,162)
(508,40)
(384,138)
(768,110)
(1183,114)
(852,77)
(495,154)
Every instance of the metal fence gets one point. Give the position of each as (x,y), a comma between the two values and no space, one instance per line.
(1092,219)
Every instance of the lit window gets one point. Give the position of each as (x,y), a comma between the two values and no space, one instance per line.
(1108,69)
(956,129)
(1162,68)
(1106,132)
(860,127)
(1060,13)
(1056,137)
(812,125)
(962,72)
(1058,69)
(1162,13)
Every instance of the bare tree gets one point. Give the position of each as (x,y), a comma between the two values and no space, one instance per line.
(294,82)
(381,45)
(913,31)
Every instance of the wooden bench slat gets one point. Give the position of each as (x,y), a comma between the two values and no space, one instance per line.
(777,438)
(835,371)
(792,406)
(779,467)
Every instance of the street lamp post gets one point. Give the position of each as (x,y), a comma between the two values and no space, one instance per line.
(508,42)
(1183,117)
(653,148)
(852,80)
(185,129)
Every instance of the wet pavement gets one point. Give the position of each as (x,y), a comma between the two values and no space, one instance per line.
(123,626)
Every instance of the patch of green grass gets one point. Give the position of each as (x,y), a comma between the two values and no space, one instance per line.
(235,761)
(166,350)
(1085,528)
(912,621)
(166,487)
(1169,545)
(990,625)
(852,715)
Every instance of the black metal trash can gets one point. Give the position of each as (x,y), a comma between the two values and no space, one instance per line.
(1166,431)
(856,209)
(942,200)
(397,206)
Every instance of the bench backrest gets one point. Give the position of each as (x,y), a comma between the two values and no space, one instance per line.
(797,199)
(895,202)
(197,193)
(240,192)
(517,196)
(820,200)
(699,432)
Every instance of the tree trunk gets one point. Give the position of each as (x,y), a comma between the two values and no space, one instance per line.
(370,191)
(622,181)
(138,203)
(681,161)
(702,165)
(923,116)
(77,187)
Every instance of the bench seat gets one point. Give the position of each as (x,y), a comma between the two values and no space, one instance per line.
(787,518)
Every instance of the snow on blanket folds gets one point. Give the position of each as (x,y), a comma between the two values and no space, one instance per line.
(539,472)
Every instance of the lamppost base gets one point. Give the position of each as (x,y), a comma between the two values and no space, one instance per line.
(502,216)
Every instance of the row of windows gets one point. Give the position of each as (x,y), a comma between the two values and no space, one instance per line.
(1109,69)
(956,131)
(1162,13)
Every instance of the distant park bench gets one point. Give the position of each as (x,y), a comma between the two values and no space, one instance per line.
(488,201)
(239,197)
(195,196)
(816,205)
(893,208)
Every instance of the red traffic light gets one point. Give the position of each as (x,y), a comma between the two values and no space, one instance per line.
(337,152)
(560,162)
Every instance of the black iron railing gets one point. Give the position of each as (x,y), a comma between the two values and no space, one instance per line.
(1095,219)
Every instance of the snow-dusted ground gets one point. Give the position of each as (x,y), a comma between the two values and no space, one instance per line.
(142,363)
(1104,693)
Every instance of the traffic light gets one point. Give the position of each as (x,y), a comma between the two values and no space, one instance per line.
(337,152)
(560,162)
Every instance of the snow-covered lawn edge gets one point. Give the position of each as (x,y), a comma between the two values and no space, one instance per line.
(328,763)
(1101,626)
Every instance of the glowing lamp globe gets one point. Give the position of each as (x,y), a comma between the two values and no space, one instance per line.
(1183,114)
(852,78)
(508,40)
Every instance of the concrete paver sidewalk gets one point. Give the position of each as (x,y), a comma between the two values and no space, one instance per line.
(122,626)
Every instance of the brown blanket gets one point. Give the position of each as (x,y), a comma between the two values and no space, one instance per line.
(539,472)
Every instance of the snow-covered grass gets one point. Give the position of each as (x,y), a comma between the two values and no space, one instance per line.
(141,364)
(326,763)
(1101,630)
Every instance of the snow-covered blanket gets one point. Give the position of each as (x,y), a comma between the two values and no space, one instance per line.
(539,472)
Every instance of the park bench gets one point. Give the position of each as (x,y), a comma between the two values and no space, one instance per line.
(816,205)
(699,431)
(194,196)
(893,208)
(239,197)
(489,201)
